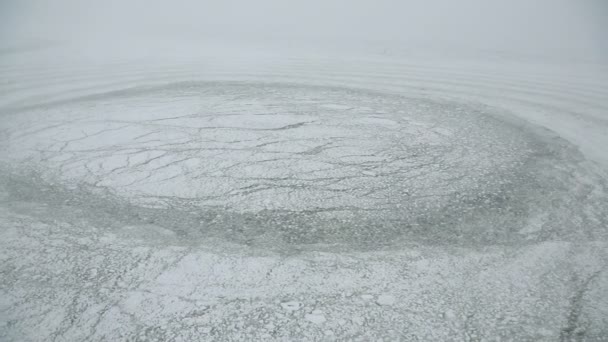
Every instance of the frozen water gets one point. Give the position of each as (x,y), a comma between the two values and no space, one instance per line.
(214,197)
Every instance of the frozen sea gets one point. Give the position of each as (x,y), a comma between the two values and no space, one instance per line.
(196,191)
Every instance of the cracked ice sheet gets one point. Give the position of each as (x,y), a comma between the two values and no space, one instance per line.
(271,162)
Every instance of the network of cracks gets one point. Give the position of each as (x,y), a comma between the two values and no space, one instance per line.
(293,166)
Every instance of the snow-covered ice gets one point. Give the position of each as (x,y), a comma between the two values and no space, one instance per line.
(217,197)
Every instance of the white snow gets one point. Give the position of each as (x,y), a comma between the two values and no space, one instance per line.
(316,318)
(75,270)
(386,299)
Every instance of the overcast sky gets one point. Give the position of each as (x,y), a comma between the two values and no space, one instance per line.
(537,25)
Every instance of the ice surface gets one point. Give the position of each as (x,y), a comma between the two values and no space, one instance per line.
(214,197)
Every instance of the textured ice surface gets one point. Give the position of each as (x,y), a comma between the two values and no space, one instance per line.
(277,163)
(301,199)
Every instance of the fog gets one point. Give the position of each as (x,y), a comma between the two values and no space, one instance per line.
(308,170)
(568,27)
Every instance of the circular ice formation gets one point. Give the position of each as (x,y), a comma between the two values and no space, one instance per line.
(273,162)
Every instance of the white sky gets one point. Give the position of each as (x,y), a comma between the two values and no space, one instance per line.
(579,26)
